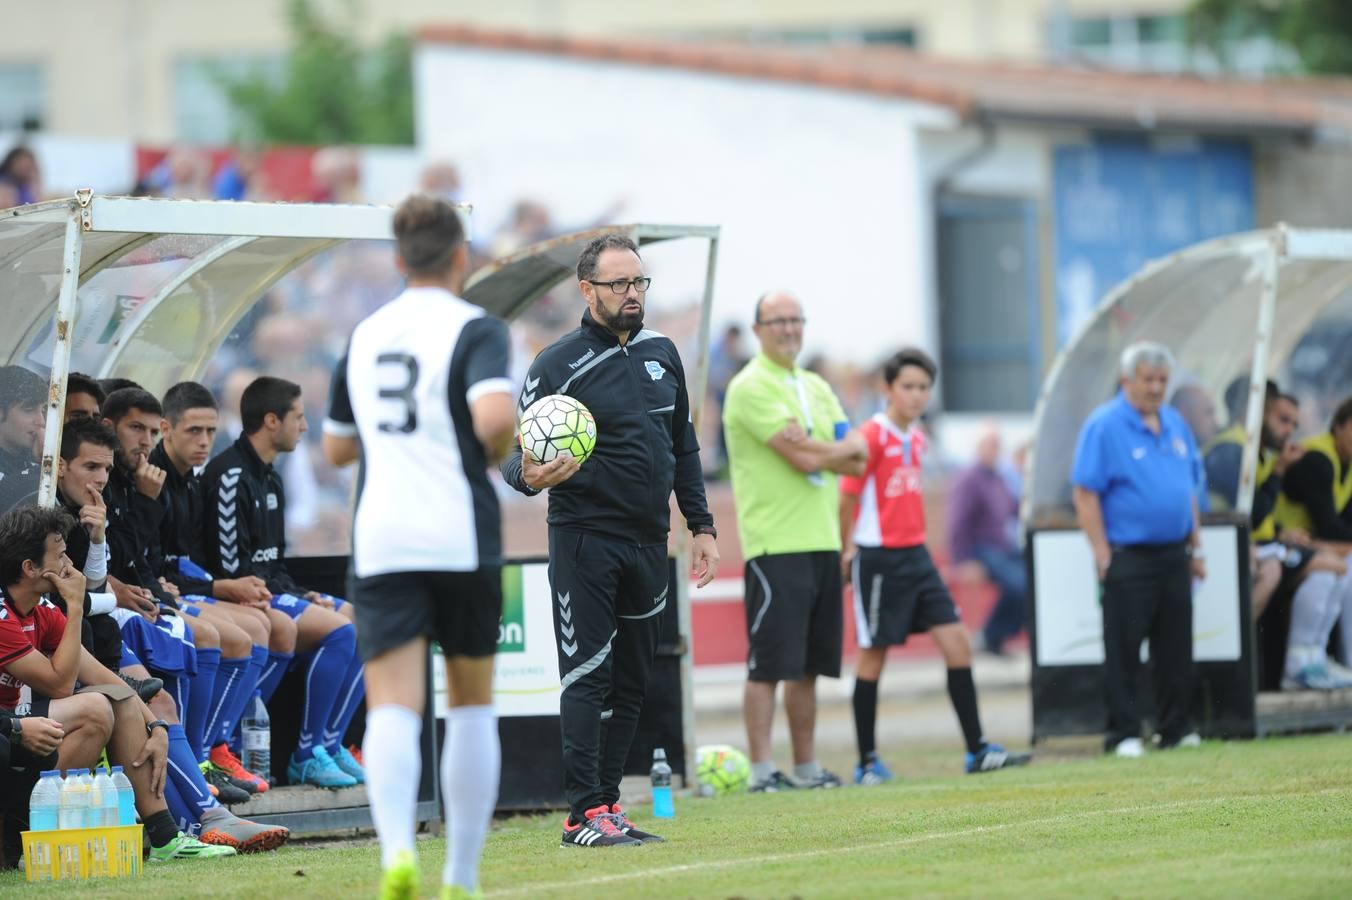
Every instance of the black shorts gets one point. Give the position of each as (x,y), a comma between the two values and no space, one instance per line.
(461,611)
(897,592)
(794,621)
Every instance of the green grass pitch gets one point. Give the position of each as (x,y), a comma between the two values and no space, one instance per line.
(1268,818)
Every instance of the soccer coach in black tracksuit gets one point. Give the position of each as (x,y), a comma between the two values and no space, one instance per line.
(608,523)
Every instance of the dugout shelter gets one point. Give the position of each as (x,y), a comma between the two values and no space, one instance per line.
(1238,309)
(198,268)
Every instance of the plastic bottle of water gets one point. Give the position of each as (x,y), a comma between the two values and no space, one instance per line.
(663,806)
(93,801)
(107,794)
(255,730)
(44,806)
(74,800)
(126,798)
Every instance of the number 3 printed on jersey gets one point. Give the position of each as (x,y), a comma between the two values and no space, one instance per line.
(403,395)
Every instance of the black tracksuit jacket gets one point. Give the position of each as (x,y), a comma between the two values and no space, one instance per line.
(245,519)
(645,443)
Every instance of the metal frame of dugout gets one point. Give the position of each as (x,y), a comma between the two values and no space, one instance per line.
(1234,306)
(211,261)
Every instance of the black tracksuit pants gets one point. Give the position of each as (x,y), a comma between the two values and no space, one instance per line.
(1147,593)
(608,600)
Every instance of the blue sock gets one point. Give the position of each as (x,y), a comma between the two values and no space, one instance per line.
(324,670)
(189,785)
(351,696)
(273,673)
(182,813)
(198,707)
(234,707)
(229,682)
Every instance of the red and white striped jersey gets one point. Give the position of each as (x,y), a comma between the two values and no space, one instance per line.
(891,506)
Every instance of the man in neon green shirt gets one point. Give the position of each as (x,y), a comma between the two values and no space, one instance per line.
(787,440)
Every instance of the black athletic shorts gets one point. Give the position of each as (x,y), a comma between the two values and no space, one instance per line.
(897,592)
(794,621)
(461,611)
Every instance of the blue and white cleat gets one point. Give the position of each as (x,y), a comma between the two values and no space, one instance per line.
(348,763)
(992,757)
(872,772)
(319,770)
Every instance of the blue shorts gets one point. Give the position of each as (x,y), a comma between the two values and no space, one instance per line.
(165,646)
(293,606)
(128,658)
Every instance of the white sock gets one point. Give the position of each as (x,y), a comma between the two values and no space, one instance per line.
(1343,609)
(808,771)
(392,757)
(471,760)
(762,770)
(1309,618)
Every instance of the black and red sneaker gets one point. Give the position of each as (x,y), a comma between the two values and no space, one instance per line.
(626,826)
(601,829)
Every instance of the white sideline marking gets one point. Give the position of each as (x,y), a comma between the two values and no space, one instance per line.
(898,842)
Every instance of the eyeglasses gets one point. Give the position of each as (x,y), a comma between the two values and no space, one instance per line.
(790,322)
(622,286)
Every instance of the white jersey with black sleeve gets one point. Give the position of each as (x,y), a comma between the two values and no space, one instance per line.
(412,370)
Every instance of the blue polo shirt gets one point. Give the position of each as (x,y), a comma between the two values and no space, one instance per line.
(1146,482)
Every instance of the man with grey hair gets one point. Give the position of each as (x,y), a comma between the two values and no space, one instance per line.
(1136,477)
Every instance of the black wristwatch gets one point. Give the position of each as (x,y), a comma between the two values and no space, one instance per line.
(158,723)
(710,530)
(15,730)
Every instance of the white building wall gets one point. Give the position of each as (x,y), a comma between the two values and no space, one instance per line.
(815,190)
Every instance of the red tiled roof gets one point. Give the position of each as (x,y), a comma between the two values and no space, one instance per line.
(1056,94)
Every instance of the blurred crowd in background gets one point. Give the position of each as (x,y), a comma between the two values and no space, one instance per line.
(298,328)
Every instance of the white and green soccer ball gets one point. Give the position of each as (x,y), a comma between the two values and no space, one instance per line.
(721,769)
(557,424)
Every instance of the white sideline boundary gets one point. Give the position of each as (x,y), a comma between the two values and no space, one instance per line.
(897,842)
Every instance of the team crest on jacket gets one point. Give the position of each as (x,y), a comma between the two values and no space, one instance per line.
(655,370)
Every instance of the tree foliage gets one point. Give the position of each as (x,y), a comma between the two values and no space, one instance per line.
(1318,31)
(332,89)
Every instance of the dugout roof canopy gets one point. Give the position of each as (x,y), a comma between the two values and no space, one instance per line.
(149,288)
(1229,307)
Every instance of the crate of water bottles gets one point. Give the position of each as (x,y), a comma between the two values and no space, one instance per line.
(83,825)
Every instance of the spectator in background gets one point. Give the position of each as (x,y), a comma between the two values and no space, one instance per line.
(1195,405)
(530,223)
(1136,481)
(184,174)
(9,195)
(981,520)
(441,178)
(19,170)
(22,419)
(337,175)
(726,358)
(238,178)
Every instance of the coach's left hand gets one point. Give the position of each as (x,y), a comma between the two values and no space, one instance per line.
(703,558)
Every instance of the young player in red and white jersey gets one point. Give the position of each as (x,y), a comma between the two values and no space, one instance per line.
(897,589)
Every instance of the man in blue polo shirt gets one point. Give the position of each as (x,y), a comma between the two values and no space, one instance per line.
(1136,477)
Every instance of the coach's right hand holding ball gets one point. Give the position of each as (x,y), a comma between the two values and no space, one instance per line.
(545,475)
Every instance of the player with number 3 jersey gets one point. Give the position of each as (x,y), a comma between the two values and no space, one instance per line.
(423,399)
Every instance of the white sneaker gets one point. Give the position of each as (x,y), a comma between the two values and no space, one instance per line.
(1129,748)
(1339,674)
(1191,739)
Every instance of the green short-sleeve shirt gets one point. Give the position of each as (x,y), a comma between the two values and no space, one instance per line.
(779,509)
